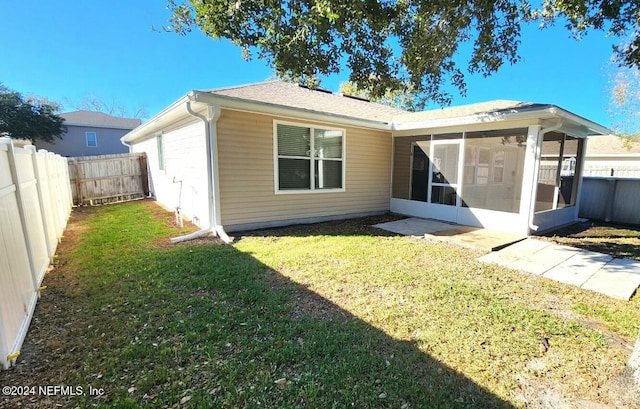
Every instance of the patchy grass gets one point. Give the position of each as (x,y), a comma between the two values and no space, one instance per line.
(619,241)
(328,315)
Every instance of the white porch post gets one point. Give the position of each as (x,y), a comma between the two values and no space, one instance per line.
(530,177)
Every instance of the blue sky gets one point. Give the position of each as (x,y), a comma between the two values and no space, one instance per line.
(68,49)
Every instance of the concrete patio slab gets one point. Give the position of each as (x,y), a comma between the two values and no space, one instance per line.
(578,268)
(413,226)
(467,236)
(475,237)
(618,279)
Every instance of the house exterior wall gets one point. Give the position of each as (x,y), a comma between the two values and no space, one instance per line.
(183,181)
(73,142)
(247,180)
(621,165)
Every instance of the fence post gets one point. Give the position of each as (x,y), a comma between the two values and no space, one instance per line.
(79,198)
(144,174)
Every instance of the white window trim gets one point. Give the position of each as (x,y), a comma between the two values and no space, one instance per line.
(312,190)
(86,139)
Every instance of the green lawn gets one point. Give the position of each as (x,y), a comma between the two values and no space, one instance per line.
(325,316)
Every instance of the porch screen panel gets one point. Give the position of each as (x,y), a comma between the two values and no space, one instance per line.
(444,173)
(549,171)
(566,196)
(493,169)
(420,167)
(408,173)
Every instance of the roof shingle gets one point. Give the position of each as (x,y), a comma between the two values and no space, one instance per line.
(496,106)
(99,119)
(293,96)
(607,144)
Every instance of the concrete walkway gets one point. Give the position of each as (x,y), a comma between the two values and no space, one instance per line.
(602,273)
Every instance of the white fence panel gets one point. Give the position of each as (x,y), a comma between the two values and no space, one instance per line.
(618,171)
(35,203)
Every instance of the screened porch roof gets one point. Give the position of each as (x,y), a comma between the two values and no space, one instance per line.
(499,111)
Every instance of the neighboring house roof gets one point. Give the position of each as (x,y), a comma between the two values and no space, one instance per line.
(293,96)
(286,99)
(610,144)
(99,119)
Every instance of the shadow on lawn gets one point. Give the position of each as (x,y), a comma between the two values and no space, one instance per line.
(210,326)
(275,343)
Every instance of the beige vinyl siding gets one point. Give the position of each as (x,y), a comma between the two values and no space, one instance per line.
(246,163)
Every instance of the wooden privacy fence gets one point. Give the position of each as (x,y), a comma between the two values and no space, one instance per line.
(610,199)
(108,178)
(35,203)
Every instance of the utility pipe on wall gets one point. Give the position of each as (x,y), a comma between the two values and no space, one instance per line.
(213,181)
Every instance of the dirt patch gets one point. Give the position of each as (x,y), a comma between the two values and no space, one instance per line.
(347,227)
(45,351)
(536,394)
(619,241)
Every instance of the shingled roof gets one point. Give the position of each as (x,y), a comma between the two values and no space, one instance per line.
(611,144)
(92,118)
(489,107)
(294,96)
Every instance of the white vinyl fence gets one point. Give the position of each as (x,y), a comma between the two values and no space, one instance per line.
(35,203)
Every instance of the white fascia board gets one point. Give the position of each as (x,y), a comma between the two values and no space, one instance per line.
(596,129)
(155,124)
(466,120)
(484,118)
(266,108)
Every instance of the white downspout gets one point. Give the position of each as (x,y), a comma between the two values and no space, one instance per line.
(126,144)
(213,183)
(534,185)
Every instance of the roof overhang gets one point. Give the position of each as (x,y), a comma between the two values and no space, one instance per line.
(240,104)
(176,111)
(571,123)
